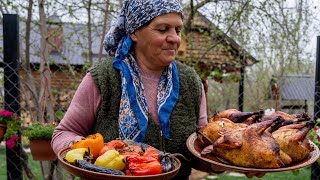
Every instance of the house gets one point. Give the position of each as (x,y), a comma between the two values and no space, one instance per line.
(68,56)
(214,54)
(212,49)
(67,50)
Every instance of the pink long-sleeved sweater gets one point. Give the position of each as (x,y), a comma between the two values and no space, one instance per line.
(81,114)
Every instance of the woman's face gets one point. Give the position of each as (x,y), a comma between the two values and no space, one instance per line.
(156,44)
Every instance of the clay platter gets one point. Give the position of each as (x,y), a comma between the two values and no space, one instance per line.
(86,174)
(205,163)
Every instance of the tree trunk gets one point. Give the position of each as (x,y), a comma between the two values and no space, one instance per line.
(89,33)
(29,82)
(26,167)
(105,20)
(45,96)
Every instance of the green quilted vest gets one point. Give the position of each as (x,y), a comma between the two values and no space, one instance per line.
(183,121)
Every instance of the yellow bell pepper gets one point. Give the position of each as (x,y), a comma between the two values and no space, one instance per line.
(111,159)
(76,154)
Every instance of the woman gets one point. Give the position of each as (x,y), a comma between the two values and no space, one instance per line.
(142,93)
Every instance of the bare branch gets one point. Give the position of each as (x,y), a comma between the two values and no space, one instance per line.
(228,29)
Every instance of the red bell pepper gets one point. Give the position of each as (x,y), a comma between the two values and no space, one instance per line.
(142,165)
(153,152)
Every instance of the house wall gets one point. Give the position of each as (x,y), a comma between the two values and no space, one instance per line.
(208,45)
(64,85)
(61,79)
(196,44)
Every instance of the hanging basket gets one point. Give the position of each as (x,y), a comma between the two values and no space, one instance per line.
(3,129)
(41,150)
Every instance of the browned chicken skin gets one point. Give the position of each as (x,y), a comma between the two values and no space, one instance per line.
(250,146)
(288,119)
(214,130)
(237,116)
(292,140)
(270,141)
(295,118)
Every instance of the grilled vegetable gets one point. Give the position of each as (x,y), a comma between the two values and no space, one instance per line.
(95,142)
(111,159)
(152,152)
(166,163)
(112,145)
(91,167)
(77,154)
(142,165)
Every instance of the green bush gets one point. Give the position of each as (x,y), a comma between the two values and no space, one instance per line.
(39,131)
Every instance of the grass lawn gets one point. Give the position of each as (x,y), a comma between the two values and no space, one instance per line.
(34,165)
(302,174)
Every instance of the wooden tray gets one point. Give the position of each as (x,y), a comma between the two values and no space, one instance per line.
(206,162)
(95,175)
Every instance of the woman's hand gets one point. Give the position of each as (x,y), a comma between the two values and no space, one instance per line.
(218,169)
(252,174)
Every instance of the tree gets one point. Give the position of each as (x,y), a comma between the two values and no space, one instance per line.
(105,20)
(275,32)
(45,96)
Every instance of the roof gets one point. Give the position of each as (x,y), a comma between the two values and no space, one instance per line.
(74,47)
(201,21)
(297,87)
(247,57)
(54,19)
(75,43)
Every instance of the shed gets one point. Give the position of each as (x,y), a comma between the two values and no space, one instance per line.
(292,91)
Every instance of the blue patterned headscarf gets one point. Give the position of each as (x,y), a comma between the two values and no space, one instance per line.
(133,112)
(134,14)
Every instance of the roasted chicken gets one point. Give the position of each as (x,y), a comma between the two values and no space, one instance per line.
(251,139)
(289,118)
(214,130)
(292,140)
(248,146)
(237,116)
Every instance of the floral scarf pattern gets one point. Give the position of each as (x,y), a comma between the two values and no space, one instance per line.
(133,115)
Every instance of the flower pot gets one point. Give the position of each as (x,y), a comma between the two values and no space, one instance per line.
(3,129)
(41,149)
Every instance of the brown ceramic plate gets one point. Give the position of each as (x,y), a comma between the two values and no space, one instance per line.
(95,175)
(206,162)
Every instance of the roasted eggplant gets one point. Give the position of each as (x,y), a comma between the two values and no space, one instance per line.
(91,167)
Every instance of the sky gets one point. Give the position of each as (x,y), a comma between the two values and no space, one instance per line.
(311,47)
